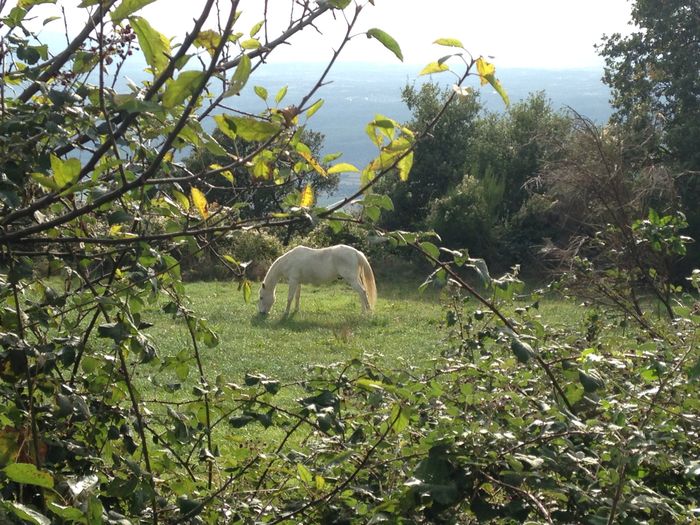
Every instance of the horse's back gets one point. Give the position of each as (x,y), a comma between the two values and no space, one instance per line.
(319,265)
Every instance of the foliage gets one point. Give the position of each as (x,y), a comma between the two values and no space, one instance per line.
(440,158)
(248,253)
(608,196)
(91,182)
(256,196)
(465,216)
(654,73)
(480,199)
(515,146)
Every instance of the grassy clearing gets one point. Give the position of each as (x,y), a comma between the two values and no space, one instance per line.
(404,330)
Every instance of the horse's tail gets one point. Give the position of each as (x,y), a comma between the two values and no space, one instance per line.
(366,276)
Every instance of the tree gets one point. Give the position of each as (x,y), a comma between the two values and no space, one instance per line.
(490,157)
(440,159)
(259,196)
(654,74)
(514,147)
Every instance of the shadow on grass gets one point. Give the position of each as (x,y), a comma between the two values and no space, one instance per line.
(302,322)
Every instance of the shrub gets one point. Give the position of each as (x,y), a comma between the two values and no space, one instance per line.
(462,218)
(254,250)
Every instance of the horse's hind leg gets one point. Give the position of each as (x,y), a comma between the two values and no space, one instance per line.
(357,286)
(297,296)
(294,291)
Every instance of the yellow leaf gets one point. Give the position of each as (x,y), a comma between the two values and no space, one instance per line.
(307,197)
(227,174)
(313,163)
(449,42)
(433,67)
(200,202)
(404,166)
(342,167)
(485,69)
(487,72)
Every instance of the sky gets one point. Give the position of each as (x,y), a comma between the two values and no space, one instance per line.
(551,34)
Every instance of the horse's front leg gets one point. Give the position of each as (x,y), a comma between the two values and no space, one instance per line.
(294,289)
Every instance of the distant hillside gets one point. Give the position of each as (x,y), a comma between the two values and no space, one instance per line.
(356,92)
(359,91)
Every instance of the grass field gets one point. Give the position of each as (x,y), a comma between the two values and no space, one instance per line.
(404,330)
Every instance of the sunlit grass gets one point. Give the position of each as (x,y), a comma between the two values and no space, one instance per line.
(330,327)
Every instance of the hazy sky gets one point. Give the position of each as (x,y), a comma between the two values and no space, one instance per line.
(517,33)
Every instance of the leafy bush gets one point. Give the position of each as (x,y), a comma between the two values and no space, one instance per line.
(250,251)
(462,218)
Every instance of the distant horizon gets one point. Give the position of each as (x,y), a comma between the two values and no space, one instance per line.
(548,34)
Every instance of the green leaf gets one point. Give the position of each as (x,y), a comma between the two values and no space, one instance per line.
(46,182)
(251,43)
(387,41)
(155,47)
(28,474)
(339,4)
(430,249)
(399,418)
(252,129)
(280,95)
(256,28)
(591,381)
(382,202)
(240,421)
(69,514)
(27,514)
(304,474)
(434,67)
(117,331)
(261,92)
(523,351)
(65,172)
(314,108)
(185,85)
(84,61)
(128,7)
(190,507)
(15,17)
(449,42)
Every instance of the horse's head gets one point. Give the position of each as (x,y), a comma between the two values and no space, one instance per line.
(267,299)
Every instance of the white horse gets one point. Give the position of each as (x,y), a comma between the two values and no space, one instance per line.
(302,265)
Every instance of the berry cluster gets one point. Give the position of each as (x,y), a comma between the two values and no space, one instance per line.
(119,43)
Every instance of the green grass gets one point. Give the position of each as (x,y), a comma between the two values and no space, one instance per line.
(404,330)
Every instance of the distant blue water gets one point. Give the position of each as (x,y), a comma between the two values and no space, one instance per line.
(355,93)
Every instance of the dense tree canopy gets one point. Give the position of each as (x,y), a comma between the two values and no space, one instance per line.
(655,75)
